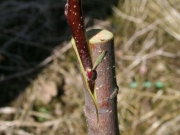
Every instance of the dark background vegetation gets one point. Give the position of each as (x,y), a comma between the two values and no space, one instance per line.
(30,30)
(41,88)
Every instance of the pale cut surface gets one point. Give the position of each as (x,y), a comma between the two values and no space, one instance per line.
(96,36)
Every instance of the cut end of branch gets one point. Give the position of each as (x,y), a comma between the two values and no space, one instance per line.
(96,36)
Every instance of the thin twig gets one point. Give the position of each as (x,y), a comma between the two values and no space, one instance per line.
(12,110)
(6,124)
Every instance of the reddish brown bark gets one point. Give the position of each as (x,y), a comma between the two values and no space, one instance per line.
(73,13)
(106,89)
(104,82)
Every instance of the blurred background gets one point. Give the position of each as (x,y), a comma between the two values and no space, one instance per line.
(41,91)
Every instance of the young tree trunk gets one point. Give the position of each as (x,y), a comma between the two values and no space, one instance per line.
(101,90)
(105,86)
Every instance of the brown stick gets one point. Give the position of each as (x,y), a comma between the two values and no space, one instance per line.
(73,13)
(105,123)
(105,86)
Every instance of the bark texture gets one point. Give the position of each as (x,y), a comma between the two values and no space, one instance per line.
(105,86)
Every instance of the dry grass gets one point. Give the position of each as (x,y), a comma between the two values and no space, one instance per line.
(147,38)
(148,50)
